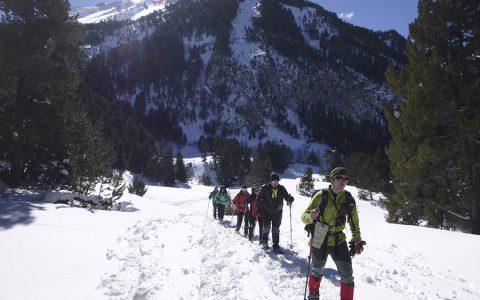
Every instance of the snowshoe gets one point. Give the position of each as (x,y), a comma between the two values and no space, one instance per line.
(237,232)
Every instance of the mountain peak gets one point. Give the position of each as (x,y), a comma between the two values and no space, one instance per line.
(118,10)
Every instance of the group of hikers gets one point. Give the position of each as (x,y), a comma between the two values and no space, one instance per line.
(262,207)
(325,219)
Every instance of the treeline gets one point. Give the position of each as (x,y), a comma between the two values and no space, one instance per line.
(430,173)
(46,134)
(235,163)
(60,125)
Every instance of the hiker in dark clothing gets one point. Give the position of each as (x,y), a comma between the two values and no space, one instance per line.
(270,204)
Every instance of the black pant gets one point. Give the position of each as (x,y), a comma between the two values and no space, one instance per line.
(214,210)
(272,221)
(239,221)
(340,256)
(221,210)
(251,226)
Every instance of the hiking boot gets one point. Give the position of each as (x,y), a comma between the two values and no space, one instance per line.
(313,287)
(313,297)
(277,249)
(264,245)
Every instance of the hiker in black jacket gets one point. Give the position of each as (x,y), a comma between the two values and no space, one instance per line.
(270,204)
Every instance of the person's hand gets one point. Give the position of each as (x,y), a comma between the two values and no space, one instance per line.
(290,200)
(314,214)
(356,247)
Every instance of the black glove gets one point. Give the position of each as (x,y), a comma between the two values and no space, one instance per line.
(356,247)
(290,199)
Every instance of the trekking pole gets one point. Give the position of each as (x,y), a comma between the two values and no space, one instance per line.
(308,269)
(291,230)
(208,207)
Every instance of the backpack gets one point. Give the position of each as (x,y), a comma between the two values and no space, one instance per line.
(341,217)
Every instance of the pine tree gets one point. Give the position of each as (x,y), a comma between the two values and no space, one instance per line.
(280,156)
(168,167)
(205,179)
(435,153)
(228,153)
(261,167)
(39,78)
(332,159)
(181,173)
(306,185)
(89,156)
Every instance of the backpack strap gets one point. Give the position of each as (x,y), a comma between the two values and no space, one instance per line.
(324,202)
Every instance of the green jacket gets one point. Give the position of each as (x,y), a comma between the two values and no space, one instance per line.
(222,198)
(211,196)
(330,216)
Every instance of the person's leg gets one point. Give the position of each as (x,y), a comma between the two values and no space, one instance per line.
(251,225)
(267,220)
(260,227)
(214,210)
(246,223)
(276,222)
(239,221)
(221,211)
(319,259)
(342,259)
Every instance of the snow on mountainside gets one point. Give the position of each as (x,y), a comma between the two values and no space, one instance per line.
(120,10)
(223,65)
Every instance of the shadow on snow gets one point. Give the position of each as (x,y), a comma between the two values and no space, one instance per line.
(16,207)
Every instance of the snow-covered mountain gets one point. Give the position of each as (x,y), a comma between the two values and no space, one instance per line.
(247,68)
(168,246)
(118,10)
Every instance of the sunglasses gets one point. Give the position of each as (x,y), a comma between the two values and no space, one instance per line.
(342,177)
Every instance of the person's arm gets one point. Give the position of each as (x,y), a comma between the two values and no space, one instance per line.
(235,200)
(314,204)
(354,224)
(286,196)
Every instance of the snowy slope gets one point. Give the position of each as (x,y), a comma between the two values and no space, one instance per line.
(120,10)
(170,247)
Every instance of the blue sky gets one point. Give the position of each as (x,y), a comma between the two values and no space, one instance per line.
(373,14)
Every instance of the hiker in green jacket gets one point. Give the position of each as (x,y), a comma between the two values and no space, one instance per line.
(222,198)
(331,214)
(211,196)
